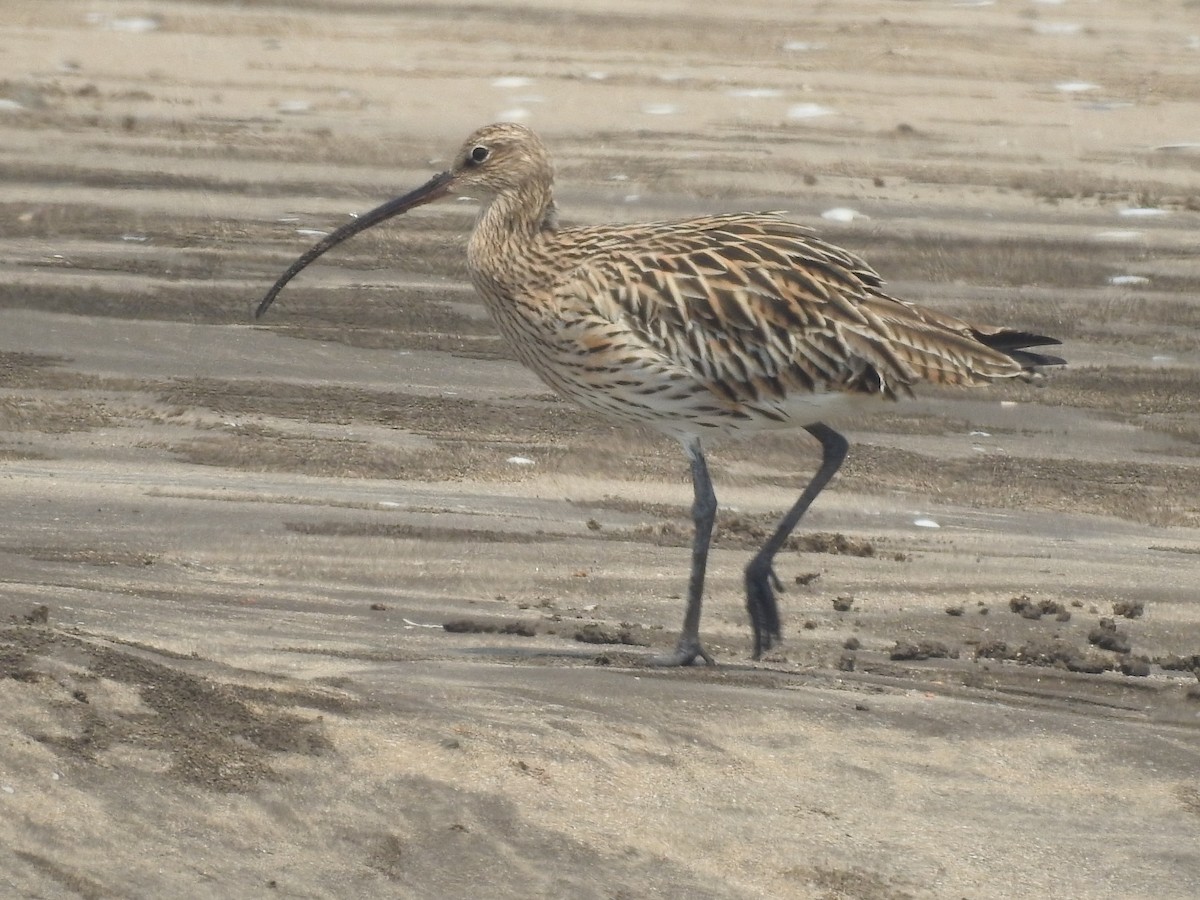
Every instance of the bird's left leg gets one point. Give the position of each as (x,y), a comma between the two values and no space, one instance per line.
(704,512)
(761,581)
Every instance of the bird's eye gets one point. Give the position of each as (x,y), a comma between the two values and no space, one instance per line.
(479,154)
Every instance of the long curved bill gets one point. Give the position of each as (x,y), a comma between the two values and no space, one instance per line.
(435,187)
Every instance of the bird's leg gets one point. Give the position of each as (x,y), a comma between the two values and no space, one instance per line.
(704,511)
(761,581)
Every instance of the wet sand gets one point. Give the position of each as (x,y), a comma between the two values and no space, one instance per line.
(232,547)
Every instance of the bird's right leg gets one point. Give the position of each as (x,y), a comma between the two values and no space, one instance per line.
(704,512)
(761,581)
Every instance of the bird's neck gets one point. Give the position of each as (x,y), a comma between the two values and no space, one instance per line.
(507,228)
(518,215)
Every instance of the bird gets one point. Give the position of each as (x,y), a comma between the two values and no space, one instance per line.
(704,328)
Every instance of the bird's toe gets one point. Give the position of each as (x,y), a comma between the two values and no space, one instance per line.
(685,654)
(761,588)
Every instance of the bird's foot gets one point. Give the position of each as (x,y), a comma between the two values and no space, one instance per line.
(687,651)
(762,584)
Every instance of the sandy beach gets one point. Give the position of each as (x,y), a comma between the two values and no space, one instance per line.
(344,602)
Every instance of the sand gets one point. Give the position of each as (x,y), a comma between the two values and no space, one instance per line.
(231,547)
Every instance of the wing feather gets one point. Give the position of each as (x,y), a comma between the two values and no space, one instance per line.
(754,306)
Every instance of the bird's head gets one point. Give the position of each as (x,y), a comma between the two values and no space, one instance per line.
(497,160)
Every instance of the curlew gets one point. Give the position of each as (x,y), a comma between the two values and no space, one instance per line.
(713,326)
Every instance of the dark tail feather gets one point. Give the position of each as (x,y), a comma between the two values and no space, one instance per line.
(1014,344)
(1036,360)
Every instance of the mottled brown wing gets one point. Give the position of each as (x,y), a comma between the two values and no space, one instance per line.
(759,307)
